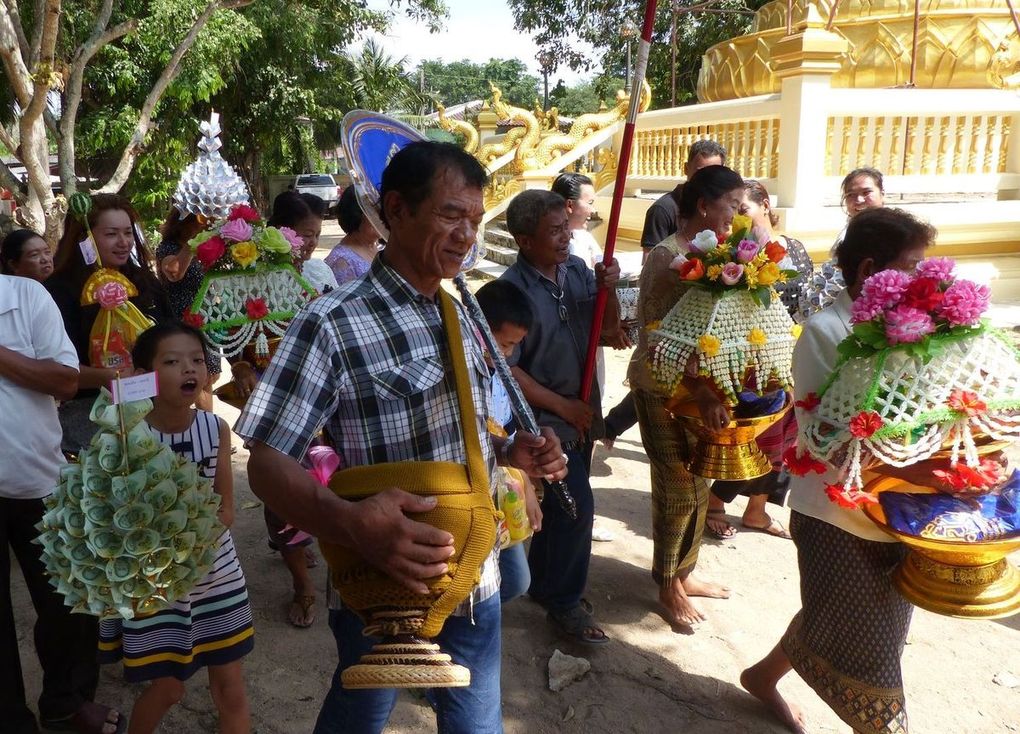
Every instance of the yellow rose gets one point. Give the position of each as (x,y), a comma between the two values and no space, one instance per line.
(741,222)
(244,253)
(709,345)
(757,337)
(769,273)
(714,271)
(795,330)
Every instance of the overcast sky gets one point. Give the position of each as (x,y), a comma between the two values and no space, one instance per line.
(477,30)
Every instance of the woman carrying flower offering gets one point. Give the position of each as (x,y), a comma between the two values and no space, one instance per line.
(848,637)
(709,202)
(250,290)
(757,206)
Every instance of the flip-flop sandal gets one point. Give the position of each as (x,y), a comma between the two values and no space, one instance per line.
(719,516)
(579,625)
(774,528)
(307,605)
(90,718)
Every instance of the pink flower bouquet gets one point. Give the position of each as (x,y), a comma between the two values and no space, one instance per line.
(920,374)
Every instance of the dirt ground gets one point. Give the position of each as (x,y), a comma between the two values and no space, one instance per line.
(650,678)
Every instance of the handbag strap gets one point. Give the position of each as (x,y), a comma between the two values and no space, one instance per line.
(478,473)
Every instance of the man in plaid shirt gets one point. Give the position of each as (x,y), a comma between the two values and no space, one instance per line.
(369,362)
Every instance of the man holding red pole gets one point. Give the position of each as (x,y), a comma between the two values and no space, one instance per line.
(548,365)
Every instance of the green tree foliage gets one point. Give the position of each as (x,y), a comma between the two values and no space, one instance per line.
(265,65)
(558,23)
(463,81)
(584,97)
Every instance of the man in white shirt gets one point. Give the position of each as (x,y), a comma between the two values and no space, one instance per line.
(39,365)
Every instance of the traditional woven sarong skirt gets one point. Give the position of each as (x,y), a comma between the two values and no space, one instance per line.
(213,626)
(679,499)
(847,639)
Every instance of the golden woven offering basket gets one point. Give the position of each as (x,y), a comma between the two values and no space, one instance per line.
(732,453)
(406,658)
(971,580)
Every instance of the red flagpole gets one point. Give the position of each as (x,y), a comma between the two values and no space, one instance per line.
(621,179)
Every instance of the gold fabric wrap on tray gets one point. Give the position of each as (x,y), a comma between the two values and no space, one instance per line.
(464,509)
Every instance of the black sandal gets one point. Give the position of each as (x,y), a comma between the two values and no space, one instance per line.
(579,625)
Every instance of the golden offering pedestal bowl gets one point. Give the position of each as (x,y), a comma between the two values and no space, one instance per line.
(730,454)
(953,578)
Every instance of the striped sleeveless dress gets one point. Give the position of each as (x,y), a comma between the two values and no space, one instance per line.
(213,626)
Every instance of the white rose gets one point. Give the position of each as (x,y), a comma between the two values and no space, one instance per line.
(704,241)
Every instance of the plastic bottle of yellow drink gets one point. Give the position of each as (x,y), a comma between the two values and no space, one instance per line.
(516,516)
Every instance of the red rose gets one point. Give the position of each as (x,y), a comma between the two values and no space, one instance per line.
(865,423)
(924,294)
(193,319)
(801,465)
(210,251)
(851,498)
(256,308)
(693,269)
(965,401)
(809,403)
(721,238)
(775,252)
(245,212)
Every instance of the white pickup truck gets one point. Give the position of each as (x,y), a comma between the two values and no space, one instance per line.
(320,184)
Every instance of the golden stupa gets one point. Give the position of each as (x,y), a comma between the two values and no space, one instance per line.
(961,44)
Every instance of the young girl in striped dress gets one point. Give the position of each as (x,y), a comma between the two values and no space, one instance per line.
(212,627)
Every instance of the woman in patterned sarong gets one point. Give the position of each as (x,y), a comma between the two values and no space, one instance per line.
(710,199)
(848,637)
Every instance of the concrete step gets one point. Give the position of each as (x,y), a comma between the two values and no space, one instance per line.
(486,269)
(501,254)
(496,234)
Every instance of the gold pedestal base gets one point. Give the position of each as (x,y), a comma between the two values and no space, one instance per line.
(405,662)
(730,454)
(970,580)
(986,591)
(732,462)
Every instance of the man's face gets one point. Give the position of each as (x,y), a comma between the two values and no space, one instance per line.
(700,161)
(435,238)
(550,243)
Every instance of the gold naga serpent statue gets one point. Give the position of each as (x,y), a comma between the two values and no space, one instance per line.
(536,139)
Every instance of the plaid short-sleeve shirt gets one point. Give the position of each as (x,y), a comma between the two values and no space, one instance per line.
(369,362)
